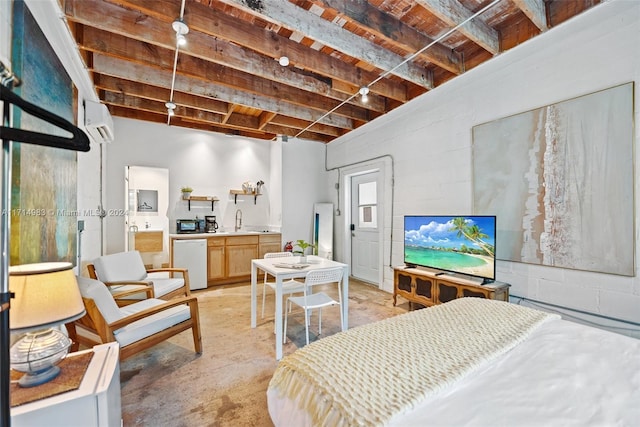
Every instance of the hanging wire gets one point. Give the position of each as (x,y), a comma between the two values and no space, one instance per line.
(407,59)
(175,67)
(173,79)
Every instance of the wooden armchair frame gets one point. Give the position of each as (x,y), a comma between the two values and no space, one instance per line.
(95,323)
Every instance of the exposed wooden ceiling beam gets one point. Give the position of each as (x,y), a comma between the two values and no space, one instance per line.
(203,87)
(535,11)
(329,34)
(227,77)
(225,28)
(399,33)
(453,13)
(143,104)
(102,42)
(202,47)
(265,118)
(160,94)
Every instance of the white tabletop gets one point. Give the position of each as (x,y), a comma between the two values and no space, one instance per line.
(282,273)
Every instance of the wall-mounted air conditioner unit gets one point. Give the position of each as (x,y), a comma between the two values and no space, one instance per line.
(98,121)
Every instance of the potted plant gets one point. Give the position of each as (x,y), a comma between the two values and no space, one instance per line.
(186,192)
(303,245)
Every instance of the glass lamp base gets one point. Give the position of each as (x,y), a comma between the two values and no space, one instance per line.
(32,379)
(36,354)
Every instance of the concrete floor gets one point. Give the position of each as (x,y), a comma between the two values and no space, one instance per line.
(170,385)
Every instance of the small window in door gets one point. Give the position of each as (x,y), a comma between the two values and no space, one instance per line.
(367,205)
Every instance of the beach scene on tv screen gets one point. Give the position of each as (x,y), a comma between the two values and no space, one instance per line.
(452,243)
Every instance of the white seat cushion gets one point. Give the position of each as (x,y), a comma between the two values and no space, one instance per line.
(120,266)
(164,286)
(129,266)
(152,324)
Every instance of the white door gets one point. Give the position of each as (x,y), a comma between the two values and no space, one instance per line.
(365,243)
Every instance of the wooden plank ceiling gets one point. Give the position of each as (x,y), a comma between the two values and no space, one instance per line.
(228,77)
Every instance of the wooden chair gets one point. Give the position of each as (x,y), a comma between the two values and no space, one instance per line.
(135,327)
(124,272)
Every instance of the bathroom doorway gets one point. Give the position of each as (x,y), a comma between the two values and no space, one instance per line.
(146,220)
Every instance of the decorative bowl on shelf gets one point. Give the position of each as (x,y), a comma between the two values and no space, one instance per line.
(247,187)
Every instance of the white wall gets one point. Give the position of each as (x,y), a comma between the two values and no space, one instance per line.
(5,32)
(211,163)
(430,140)
(304,182)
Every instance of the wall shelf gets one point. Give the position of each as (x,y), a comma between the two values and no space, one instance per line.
(237,193)
(201,199)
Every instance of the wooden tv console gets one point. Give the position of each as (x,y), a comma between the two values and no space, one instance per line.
(427,287)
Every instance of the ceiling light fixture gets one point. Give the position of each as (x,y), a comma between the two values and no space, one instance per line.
(181,29)
(364,93)
(171,107)
(284,61)
(181,39)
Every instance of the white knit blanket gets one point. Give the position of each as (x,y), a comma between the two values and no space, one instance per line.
(367,375)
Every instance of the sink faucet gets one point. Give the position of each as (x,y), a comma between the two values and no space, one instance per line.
(238,220)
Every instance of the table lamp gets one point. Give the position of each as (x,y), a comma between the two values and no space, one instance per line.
(45,295)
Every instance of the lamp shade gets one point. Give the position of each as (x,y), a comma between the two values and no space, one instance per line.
(45,295)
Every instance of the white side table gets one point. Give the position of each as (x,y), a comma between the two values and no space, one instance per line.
(95,403)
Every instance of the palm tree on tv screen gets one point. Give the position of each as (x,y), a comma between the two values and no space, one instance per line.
(472,233)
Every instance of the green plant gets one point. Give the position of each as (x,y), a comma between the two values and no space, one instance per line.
(186,189)
(303,245)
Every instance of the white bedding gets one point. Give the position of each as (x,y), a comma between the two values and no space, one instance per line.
(563,374)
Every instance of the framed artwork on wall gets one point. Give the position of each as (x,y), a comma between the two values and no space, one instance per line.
(560,180)
(44,182)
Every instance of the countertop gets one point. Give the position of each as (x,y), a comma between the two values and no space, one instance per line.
(219,233)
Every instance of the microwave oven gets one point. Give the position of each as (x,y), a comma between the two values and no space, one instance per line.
(187,226)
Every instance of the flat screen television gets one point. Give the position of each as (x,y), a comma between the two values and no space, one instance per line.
(454,244)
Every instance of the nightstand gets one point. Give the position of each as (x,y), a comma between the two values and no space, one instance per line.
(95,403)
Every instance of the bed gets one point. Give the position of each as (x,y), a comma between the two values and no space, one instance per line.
(470,361)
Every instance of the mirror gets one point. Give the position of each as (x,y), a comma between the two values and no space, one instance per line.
(323,229)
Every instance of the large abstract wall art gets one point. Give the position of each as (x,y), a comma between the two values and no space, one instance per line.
(560,180)
(44,183)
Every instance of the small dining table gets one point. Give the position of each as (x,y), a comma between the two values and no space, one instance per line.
(284,273)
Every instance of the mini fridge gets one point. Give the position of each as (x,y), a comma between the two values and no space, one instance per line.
(192,255)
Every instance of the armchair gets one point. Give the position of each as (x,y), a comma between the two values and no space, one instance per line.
(124,273)
(134,327)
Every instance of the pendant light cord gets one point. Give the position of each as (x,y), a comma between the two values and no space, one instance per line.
(175,65)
